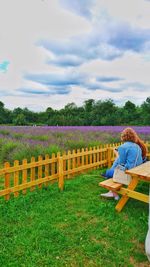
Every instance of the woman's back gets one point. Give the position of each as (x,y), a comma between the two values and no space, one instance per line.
(130,155)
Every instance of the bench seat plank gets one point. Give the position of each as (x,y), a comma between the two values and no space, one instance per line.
(110,184)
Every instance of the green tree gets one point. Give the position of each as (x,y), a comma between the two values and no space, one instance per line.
(30,116)
(3,113)
(129,113)
(145,111)
(70,106)
(104,113)
(88,108)
(20,120)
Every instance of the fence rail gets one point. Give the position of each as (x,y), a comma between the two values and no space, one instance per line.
(28,175)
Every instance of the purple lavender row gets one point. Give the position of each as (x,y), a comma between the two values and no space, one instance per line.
(46,129)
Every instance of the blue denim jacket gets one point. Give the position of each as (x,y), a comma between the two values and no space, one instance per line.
(130,156)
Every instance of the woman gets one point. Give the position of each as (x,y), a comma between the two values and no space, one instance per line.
(130,154)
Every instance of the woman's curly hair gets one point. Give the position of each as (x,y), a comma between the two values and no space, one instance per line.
(130,135)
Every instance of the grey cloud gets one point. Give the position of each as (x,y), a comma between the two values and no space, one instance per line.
(137,86)
(106,41)
(50,91)
(32,91)
(79,7)
(6,92)
(99,86)
(80,50)
(63,83)
(66,61)
(127,38)
(108,79)
(67,79)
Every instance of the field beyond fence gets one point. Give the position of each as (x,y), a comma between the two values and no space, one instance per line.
(46,170)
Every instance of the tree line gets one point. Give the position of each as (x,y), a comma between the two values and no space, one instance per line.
(91,113)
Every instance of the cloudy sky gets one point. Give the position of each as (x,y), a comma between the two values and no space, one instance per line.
(54,52)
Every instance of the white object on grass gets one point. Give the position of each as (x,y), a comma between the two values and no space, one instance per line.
(147,240)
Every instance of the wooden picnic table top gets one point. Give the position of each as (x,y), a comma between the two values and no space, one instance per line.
(142,171)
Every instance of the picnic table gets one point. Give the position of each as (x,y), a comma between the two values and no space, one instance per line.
(139,173)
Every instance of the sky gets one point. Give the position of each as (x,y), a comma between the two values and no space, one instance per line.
(55,52)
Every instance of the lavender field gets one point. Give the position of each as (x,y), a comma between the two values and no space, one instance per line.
(26,141)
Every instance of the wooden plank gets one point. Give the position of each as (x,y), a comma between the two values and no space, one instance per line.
(53,167)
(110,184)
(83,162)
(40,170)
(57,167)
(7,179)
(78,158)
(98,155)
(91,156)
(73,159)
(64,161)
(101,156)
(69,163)
(32,173)
(86,155)
(16,177)
(142,171)
(61,174)
(134,194)
(27,166)
(94,156)
(109,152)
(53,164)
(82,168)
(24,175)
(106,155)
(82,158)
(46,169)
(28,185)
(125,198)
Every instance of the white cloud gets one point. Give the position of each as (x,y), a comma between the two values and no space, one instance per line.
(108,39)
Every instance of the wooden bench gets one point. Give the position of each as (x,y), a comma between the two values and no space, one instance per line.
(139,173)
(109,184)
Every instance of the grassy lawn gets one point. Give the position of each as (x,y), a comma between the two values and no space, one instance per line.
(73,228)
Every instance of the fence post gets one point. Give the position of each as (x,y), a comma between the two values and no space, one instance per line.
(109,157)
(7,179)
(61,174)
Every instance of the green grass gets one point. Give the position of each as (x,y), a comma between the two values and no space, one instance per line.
(73,228)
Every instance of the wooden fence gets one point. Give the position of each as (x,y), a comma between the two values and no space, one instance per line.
(46,170)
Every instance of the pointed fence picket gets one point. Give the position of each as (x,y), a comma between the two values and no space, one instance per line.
(46,170)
